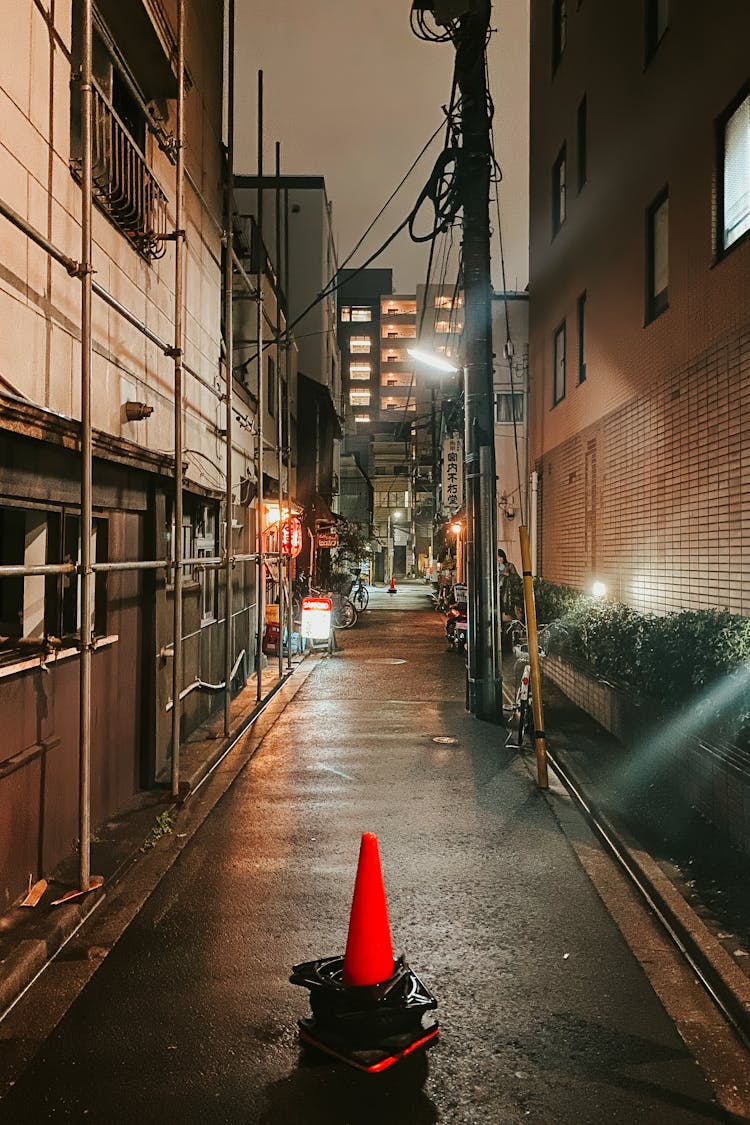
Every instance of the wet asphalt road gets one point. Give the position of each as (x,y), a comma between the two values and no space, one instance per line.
(545,1015)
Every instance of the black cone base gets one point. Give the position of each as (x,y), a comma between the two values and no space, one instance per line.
(370,1027)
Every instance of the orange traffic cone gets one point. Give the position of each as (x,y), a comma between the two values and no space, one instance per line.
(392,587)
(369,953)
(367,1010)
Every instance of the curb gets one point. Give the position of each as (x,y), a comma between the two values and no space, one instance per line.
(728,985)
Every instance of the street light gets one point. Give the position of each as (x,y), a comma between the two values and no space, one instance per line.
(484,686)
(389,544)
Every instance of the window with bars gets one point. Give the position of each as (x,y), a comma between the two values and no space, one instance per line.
(656,22)
(657,256)
(558,385)
(559,191)
(733,211)
(559,31)
(581,319)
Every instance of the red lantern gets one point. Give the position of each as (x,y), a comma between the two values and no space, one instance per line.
(291,537)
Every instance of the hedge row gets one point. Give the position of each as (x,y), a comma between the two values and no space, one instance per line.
(693,655)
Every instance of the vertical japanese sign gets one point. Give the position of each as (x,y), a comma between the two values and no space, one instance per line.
(453,473)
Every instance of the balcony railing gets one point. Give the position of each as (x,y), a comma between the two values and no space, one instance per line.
(123,185)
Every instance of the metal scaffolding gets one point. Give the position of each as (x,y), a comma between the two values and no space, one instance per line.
(87,568)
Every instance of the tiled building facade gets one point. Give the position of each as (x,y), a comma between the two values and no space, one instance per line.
(639,299)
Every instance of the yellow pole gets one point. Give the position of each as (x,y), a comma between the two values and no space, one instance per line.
(536,679)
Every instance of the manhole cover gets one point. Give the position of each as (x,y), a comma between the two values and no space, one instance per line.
(445,740)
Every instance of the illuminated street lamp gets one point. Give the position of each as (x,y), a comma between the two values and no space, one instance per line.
(457,528)
(389,544)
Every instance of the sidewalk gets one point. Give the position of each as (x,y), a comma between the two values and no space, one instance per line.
(546,1015)
(29,937)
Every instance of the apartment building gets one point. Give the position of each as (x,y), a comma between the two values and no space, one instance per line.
(301,236)
(639,317)
(130,719)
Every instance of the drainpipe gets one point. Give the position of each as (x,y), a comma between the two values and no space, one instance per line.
(279,428)
(260,595)
(87,584)
(229,336)
(177,356)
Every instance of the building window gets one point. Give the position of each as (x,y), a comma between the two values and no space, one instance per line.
(734,172)
(361,417)
(559,176)
(391,405)
(449,302)
(581,319)
(581,129)
(360,372)
(360,344)
(559,31)
(206,547)
(657,21)
(657,256)
(359,398)
(346,313)
(271,386)
(39,609)
(391,383)
(509,407)
(558,389)
(361,315)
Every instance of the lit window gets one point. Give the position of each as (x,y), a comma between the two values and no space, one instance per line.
(559,207)
(509,407)
(360,344)
(734,176)
(361,417)
(359,398)
(346,312)
(361,315)
(206,547)
(448,302)
(558,390)
(360,371)
(657,256)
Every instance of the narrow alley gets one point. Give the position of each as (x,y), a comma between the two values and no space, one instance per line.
(545,1013)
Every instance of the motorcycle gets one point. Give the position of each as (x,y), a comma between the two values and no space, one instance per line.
(456,625)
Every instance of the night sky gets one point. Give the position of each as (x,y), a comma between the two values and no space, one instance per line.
(353,95)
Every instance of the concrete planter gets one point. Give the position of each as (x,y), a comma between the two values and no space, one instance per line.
(714,779)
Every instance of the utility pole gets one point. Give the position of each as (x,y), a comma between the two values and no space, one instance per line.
(484,670)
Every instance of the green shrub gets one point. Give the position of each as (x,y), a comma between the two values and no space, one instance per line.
(701,657)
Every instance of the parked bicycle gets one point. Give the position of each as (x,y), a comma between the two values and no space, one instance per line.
(522,702)
(343,613)
(358,594)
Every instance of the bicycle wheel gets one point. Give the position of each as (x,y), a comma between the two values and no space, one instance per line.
(361,598)
(345,615)
(523,719)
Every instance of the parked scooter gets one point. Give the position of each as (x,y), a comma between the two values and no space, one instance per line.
(456,625)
